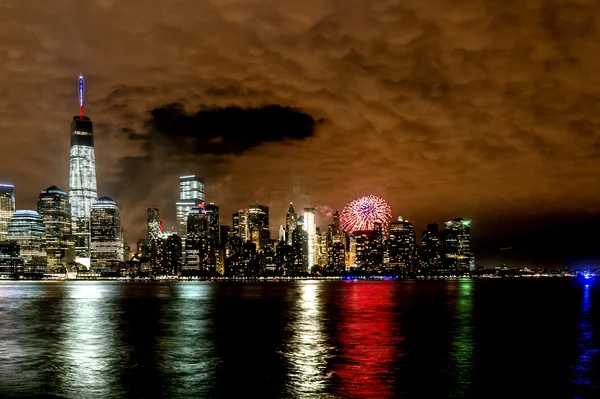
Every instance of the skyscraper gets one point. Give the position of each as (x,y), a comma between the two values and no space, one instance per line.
(191,195)
(334,233)
(369,249)
(26,228)
(82,180)
(106,244)
(55,210)
(291,219)
(7,208)
(212,211)
(401,248)
(457,246)
(300,262)
(153,223)
(258,219)
(431,255)
(200,252)
(241,222)
(310,227)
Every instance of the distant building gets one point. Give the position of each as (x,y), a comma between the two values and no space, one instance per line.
(200,248)
(82,180)
(172,255)
(212,211)
(336,258)
(402,249)
(310,226)
(191,195)
(431,248)
(154,227)
(258,218)
(300,262)
(291,220)
(55,210)
(369,249)
(241,225)
(26,229)
(7,208)
(334,232)
(107,246)
(457,246)
(11,263)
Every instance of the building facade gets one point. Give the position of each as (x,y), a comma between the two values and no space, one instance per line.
(191,195)
(291,220)
(154,224)
(106,243)
(310,226)
(27,230)
(55,210)
(258,219)
(402,250)
(7,208)
(457,246)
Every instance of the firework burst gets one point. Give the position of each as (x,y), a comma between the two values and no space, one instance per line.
(362,214)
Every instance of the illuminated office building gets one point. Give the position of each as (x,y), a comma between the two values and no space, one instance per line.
(106,243)
(82,180)
(26,229)
(291,219)
(212,211)
(336,258)
(431,248)
(457,246)
(191,195)
(154,224)
(200,248)
(258,220)
(369,249)
(310,227)
(402,249)
(7,208)
(300,261)
(241,225)
(334,232)
(55,210)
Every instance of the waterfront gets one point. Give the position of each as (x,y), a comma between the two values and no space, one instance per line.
(415,339)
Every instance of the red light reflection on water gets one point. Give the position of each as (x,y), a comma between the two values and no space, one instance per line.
(368,337)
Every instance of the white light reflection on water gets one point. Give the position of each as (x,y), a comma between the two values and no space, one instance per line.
(307,351)
(89,359)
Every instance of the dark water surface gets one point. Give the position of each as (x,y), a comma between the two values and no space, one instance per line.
(459,339)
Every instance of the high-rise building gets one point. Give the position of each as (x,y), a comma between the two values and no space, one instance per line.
(336,258)
(82,180)
(310,226)
(369,249)
(172,254)
(26,229)
(191,195)
(431,248)
(55,210)
(7,208)
(154,226)
(281,234)
(299,251)
(402,249)
(258,218)
(291,219)
(106,243)
(200,248)
(240,225)
(457,246)
(212,211)
(334,233)
(11,263)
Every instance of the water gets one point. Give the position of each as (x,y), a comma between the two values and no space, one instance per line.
(306,339)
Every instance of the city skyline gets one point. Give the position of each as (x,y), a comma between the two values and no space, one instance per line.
(497,130)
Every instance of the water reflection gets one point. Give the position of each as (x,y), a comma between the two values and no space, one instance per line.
(462,345)
(307,351)
(584,378)
(89,356)
(369,333)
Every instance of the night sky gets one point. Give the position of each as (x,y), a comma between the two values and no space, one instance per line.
(488,110)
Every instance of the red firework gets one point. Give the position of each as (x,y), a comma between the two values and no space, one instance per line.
(362,214)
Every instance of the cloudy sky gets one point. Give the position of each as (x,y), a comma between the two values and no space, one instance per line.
(488,110)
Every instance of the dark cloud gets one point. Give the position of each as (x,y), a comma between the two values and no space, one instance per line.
(227,130)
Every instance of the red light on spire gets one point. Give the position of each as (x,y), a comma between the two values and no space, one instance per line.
(160,227)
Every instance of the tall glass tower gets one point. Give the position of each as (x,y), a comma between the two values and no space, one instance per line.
(7,208)
(191,195)
(82,180)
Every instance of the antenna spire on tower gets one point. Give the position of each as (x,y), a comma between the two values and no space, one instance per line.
(81,96)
